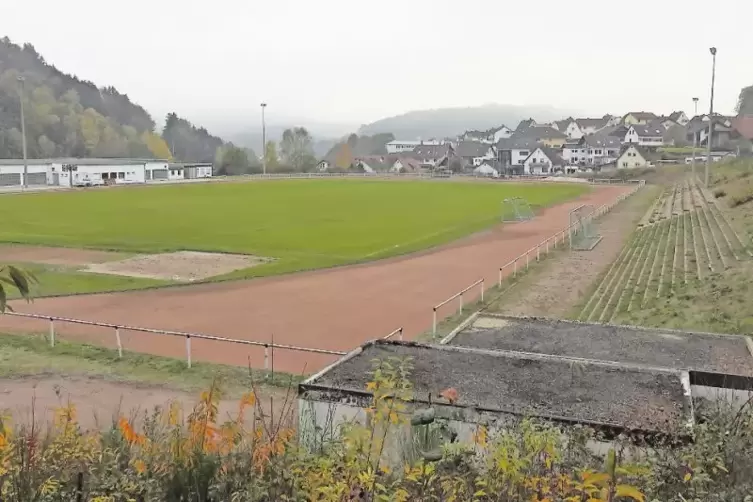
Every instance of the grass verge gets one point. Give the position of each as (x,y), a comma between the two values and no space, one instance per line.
(30,355)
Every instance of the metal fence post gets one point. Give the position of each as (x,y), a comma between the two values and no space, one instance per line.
(499,283)
(52,332)
(528,259)
(460,303)
(538,252)
(515,268)
(188,351)
(266,358)
(547,246)
(434,322)
(120,345)
(482,290)
(400,334)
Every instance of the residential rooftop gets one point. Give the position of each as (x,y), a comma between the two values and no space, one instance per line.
(78,161)
(678,350)
(542,386)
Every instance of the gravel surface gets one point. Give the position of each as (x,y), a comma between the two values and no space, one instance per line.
(695,351)
(607,394)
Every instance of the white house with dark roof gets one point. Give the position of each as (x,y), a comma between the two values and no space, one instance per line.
(649,135)
(543,160)
(601,149)
(632,157)
(679,117)
(569,127)
(474,153)
(431,155)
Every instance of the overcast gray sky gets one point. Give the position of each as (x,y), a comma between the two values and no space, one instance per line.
(349,61)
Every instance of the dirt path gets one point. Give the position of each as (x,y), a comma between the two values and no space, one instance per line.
(335,309)
(99,401)
(557,288)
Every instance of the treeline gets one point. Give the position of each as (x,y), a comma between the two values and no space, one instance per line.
(66,116)
(342,155)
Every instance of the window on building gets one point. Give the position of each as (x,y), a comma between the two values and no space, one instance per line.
(121,175)
(104,176)
(113,176)
(624,164)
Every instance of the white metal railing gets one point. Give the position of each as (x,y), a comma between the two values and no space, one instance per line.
(398,332)
(543,247)
(187,335)
(459,296)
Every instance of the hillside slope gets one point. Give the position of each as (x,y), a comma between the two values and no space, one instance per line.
(449,122)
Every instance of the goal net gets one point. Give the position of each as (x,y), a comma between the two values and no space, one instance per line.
(583,233)
(516,209)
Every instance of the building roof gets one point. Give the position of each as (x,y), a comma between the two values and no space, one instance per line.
(653,129)
(602,140)
(517,144)
(537,385)
(472,149)
(525,124)
(378,162)
(540,132)
(184,165)
(663,348)
(80,161)
(554,155)
(597,123)
(642,115)
(675,116)
(743,126)
(431,151)
(644,153)
(563,124)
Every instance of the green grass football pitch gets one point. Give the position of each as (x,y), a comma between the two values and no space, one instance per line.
(302,224)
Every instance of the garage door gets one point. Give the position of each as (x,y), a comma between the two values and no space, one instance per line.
(8,179)
(37,179)
(159,174)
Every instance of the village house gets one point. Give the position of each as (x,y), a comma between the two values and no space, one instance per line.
(633,156)
(543,160)
(569,127)
(592,126)
(698,129)
(475,152)
(490,136)
(431,155)
(547,135)
(405,164)
(323,166)
(638,118)
(679,117)
(490,168)
(513,152)
(649,135)
(375,163)
(602,149)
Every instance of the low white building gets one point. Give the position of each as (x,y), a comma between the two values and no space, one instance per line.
(71,171)
(403,146)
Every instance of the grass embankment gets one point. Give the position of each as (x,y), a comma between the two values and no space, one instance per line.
(30,355)
(695,275)
(303,224)
(57,280)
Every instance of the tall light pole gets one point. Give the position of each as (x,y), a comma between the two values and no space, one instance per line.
(23,130)
(712,50)
(695,114)
(263,139)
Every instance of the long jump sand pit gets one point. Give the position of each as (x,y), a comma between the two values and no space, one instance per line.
(184,266)
(336,309)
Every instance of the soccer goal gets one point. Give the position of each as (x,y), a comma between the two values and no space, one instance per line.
(583,234)
(516,209)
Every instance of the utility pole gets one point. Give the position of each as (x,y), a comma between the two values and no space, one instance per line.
(23,131)
(263,139)
(711,114)
(695,114)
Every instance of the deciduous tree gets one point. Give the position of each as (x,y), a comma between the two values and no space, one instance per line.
(296,150)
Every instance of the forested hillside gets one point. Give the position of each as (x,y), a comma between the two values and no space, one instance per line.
(69,117)
(66,116)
